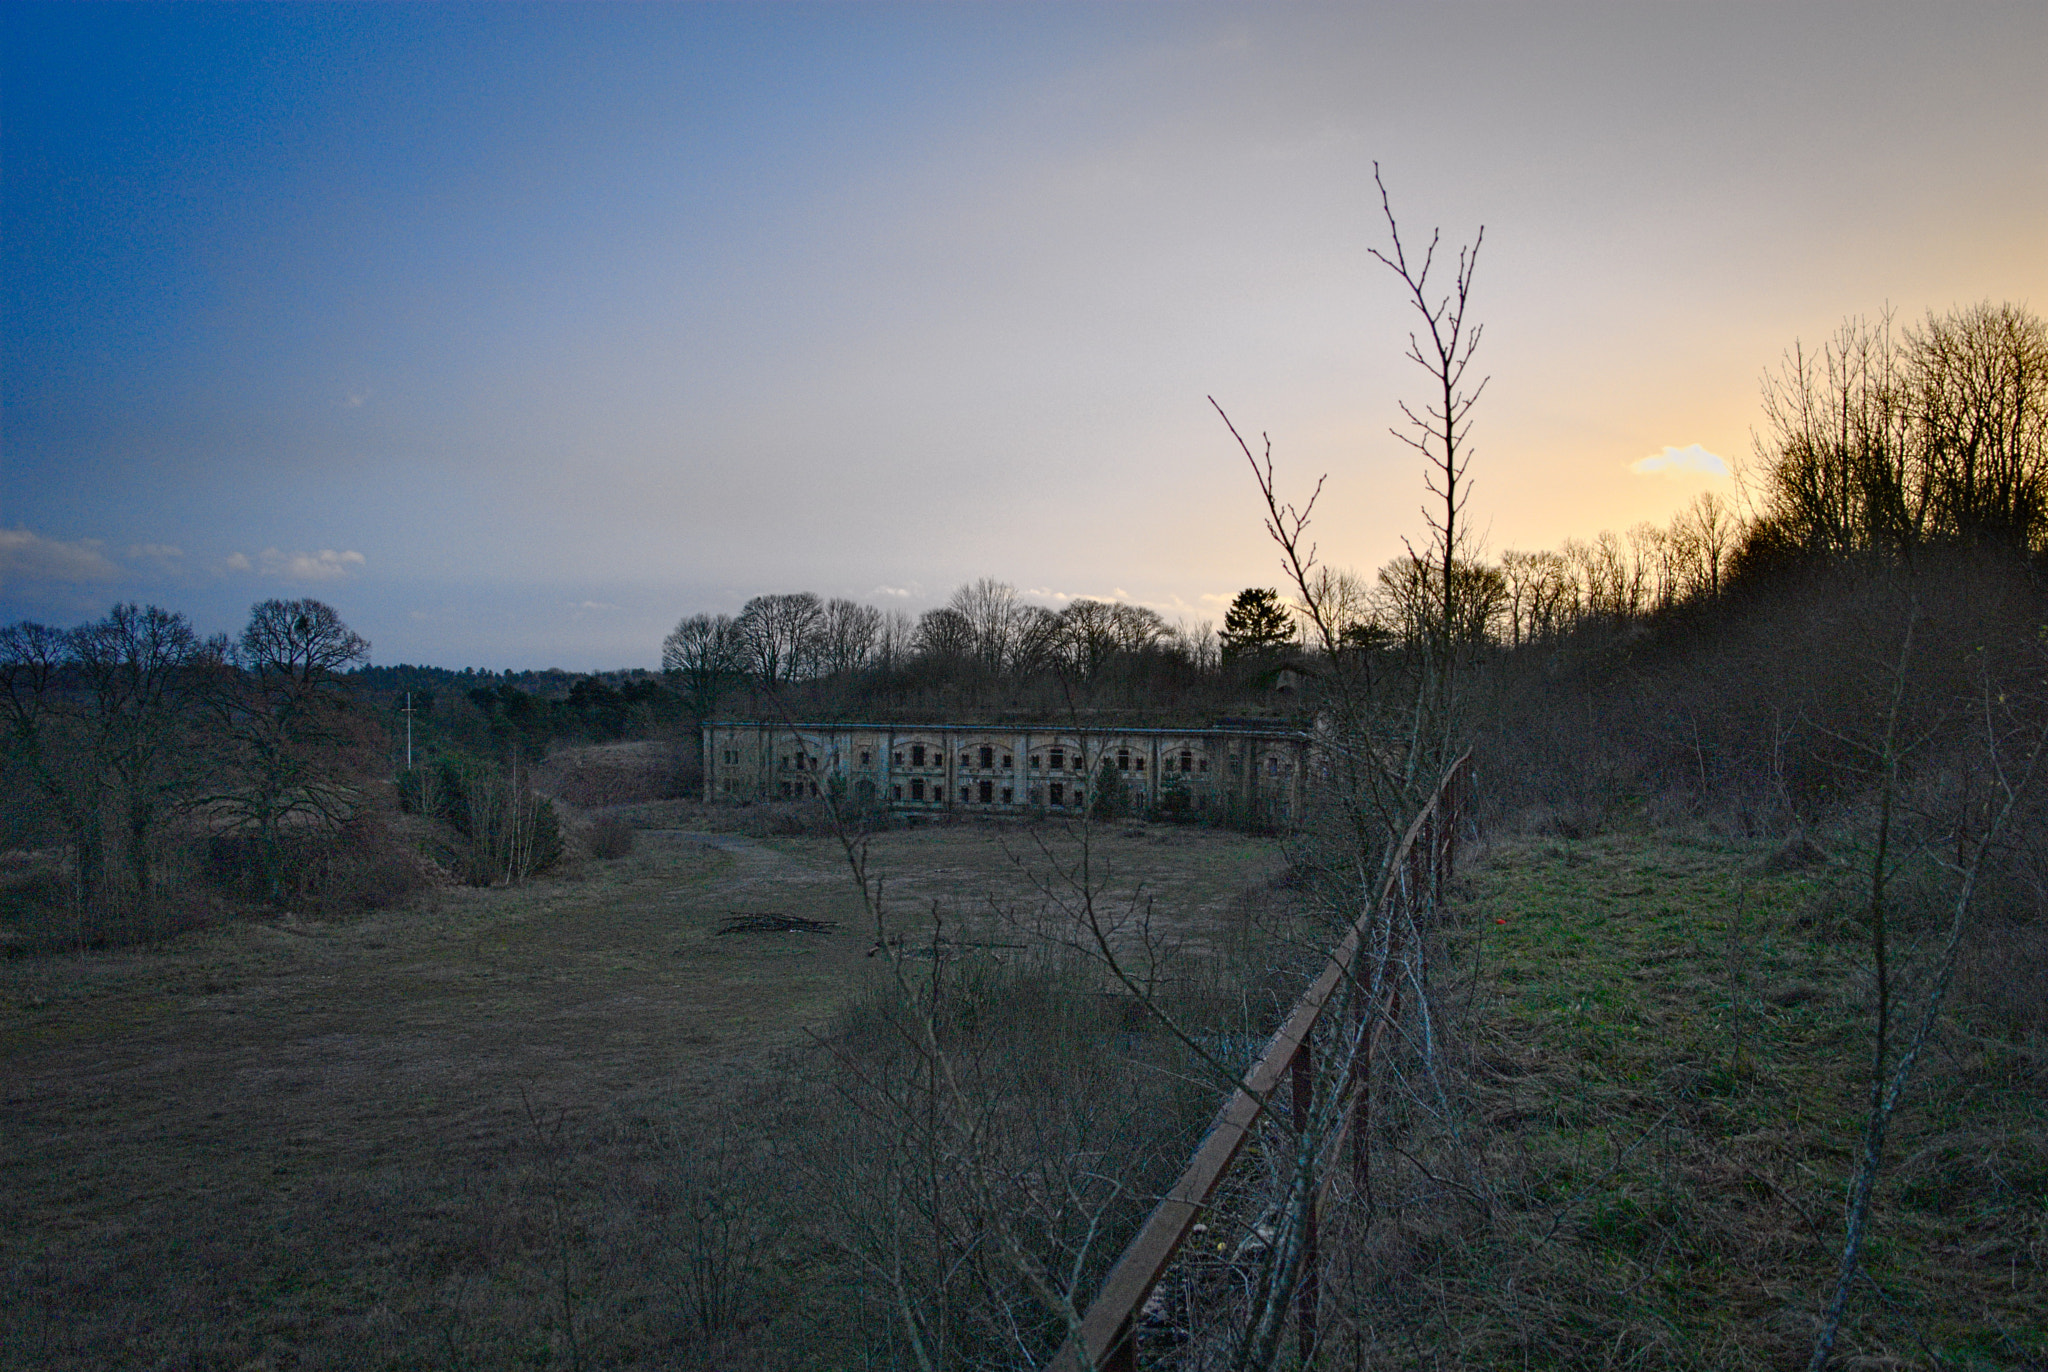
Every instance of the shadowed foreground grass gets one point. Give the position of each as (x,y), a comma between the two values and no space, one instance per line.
(1667,1056)
(549,1126)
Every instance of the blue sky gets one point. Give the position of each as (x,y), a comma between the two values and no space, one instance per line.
(519,332)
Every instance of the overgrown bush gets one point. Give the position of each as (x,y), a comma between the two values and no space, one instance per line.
(357,866)
(510,831)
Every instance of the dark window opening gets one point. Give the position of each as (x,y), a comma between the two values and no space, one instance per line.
(917,756)
(1123,760)
(988,792)
(865,757)
(898,790)
(1006,795)
(963,795)
(988,757)
(1007,764)
(1059,793)
(917,789)
(1059,762)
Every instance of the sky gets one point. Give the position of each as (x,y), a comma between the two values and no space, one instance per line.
(517,333)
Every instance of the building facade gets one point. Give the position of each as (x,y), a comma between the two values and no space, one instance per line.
(989,769)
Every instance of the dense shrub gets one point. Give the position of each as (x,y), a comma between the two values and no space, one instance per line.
(510,832)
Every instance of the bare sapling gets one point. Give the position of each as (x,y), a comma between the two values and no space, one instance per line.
(1892,1066)
(1440,431)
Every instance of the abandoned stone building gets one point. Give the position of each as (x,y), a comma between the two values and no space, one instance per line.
(973,768)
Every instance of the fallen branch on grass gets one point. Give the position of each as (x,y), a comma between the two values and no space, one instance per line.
(776,924)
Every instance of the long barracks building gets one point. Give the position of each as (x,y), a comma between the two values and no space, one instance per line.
(975,768)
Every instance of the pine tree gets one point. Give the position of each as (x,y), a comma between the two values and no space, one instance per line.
(1256,621)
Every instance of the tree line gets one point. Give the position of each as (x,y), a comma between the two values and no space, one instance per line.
(120,731)
(1886,443)
(983,635)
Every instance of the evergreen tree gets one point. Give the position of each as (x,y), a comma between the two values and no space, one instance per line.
(1256,622)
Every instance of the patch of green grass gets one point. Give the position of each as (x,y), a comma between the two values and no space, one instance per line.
(1670,1074)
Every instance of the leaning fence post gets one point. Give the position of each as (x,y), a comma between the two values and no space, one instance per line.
(1110,1322)
(1123,1349)
(1360,1088)
(1309,1292)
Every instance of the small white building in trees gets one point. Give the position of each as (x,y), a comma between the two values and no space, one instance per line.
(1228,772)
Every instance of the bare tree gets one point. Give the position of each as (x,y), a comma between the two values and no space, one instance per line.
(1838,455)
(944,636)
(993,616)
(704,652)
(895,639)
(135,667)
(1138,628)
(1705,533)
(1980,398)
(2009,753)
(847,637)
(295,743)
(1440,431)
(46,733)
(780,636)
(1087,635)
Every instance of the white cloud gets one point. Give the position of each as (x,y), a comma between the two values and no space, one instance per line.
(162,552)
(898,592)
(26,556)
(325,565)
(1115,596)
(238,562)
(1688,459)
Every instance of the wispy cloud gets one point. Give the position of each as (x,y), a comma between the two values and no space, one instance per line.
(1673,460)
(26,556)
(325,565)
(1069,597)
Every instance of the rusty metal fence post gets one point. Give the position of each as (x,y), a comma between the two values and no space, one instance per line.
(1107,1339)
(1302,1090)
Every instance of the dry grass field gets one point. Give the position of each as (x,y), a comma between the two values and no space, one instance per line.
(279,1143)
(553,1126)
